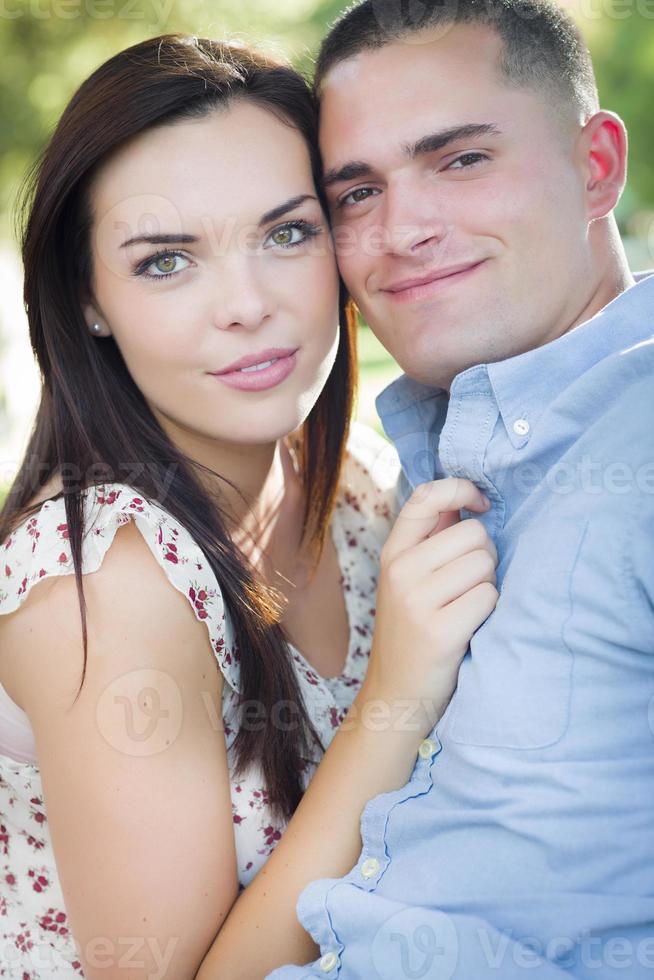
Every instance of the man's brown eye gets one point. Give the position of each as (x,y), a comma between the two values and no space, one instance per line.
(359,195)
(467,160)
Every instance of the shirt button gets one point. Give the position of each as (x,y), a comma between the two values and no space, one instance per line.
(427,749)
(329,962)
(370,868)
(521,427)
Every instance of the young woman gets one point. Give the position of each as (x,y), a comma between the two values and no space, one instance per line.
(196,532)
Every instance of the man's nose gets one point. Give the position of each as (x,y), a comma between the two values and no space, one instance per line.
(412,224)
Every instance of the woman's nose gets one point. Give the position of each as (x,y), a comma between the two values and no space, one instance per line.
(242,298)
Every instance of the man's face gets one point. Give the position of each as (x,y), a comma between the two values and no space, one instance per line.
(438,172)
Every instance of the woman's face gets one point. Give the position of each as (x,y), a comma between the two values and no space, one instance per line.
(238,264)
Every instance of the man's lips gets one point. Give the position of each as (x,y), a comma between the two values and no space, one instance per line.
(405,287)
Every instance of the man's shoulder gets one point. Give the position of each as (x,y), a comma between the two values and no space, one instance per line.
(631,372)
(623,393)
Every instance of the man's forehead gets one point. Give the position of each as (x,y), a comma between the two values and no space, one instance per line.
(344,73)
(403,77)
(469,44)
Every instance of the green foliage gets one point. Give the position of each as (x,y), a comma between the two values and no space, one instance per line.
(47,47)
(624,65)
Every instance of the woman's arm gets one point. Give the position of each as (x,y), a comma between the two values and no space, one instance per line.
(434,592)
(135,772)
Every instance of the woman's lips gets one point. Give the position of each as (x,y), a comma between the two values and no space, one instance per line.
(260,379)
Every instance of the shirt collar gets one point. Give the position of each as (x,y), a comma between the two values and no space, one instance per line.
(526,384)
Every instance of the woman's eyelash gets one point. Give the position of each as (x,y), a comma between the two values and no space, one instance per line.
(308,229)
(141,270)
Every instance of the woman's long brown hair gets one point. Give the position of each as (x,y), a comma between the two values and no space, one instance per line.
(92,417)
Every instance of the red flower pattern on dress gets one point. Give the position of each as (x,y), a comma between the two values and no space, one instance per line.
(32,909)
(53,921)
(34,843)
(271,835)
(39,881)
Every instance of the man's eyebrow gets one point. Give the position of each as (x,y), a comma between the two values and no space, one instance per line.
(160,239)
(167,239)
(358,169)
(282,209)
(354,170)
(437,141)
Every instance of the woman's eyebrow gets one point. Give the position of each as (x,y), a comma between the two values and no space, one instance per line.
(282,209)
(169,239)
(160,239)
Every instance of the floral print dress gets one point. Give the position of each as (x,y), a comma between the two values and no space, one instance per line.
(35,938)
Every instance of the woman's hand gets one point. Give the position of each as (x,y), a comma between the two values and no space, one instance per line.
(436,587)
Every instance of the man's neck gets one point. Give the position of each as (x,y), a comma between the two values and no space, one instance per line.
(615,278)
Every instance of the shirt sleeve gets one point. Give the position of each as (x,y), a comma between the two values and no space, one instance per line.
(456,947)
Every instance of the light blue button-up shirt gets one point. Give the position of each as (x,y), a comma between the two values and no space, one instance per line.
(524,846)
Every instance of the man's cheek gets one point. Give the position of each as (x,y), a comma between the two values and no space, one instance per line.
(350,268)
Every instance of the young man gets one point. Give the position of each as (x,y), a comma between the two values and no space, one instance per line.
(472,178)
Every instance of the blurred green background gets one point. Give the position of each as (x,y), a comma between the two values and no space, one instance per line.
(47,48)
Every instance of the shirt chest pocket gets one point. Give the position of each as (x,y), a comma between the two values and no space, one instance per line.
(515,684)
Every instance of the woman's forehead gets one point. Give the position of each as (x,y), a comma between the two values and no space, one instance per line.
(234,163)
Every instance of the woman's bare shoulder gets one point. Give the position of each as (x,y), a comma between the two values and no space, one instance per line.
(130,607)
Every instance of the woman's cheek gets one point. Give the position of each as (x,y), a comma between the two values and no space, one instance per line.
(320,288)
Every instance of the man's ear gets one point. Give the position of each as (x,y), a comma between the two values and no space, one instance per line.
(603,146)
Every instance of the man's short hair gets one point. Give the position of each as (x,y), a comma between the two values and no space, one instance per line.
(542,47)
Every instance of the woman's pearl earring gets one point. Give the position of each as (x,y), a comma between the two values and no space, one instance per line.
(96,329)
